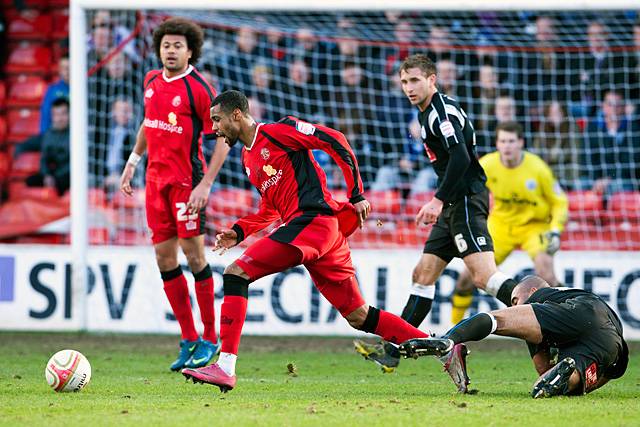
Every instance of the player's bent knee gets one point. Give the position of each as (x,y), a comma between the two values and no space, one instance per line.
(358,317)
(235,269)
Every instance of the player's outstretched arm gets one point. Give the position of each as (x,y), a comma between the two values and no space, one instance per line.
(255,222)
(200,194)
(134,158)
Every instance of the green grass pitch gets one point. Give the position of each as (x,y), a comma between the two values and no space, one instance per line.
(330,385)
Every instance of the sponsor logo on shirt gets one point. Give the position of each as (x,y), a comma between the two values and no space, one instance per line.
(173,119)
(265,153)
(430,154)
(162,125)
(447,129)
(305,128)
(531,184)
(148,93)
(269,170)
(176,101)
(274,177)
(591,376)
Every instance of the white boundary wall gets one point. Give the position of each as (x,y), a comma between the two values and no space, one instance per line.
(127,296)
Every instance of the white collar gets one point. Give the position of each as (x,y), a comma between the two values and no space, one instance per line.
(170,79)
(254,137)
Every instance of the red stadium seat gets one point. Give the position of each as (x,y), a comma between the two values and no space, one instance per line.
(386,203)
(3,94)
(415,202)
(3,130)
(22,124)
(5,165)
(131,237)
(60,19)
(32,59)
(30,4)
(97,197)
(628,201)
(624,206)
(26,91)
(231,202)
(136,201)
(98,236)
(30,26)
(585,206)
(59,3)
(26,164)
(39,193)
(16,188)
(585,200)
(43,239)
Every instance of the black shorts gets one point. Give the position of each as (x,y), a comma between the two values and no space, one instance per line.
(461,229)
(585,329)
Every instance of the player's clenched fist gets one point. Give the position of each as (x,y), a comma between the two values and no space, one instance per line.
(430,212)
(225,240)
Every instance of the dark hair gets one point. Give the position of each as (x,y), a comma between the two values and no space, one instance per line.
(420,61)
(60,101)
(229,100)
(511,126)
(181,27)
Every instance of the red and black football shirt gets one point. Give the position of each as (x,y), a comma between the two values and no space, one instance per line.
(176,114)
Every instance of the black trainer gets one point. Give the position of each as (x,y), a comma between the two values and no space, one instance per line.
(384,354)
(555,381)
(417,347)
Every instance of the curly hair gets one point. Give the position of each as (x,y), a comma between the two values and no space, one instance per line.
(181,27)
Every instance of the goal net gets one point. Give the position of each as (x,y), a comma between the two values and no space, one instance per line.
(570,77)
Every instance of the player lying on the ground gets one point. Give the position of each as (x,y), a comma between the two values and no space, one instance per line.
(584,329)
(279,162)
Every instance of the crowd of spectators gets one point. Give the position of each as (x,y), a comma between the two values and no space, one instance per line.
(578,99)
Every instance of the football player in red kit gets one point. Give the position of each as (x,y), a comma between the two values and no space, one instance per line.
(278,160)
(176,115)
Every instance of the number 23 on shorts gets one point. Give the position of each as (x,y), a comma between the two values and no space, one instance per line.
(181,214)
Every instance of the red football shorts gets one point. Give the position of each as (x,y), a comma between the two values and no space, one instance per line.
(317,244)
(167,214)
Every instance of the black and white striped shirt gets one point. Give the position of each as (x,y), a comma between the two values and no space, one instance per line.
(444,127)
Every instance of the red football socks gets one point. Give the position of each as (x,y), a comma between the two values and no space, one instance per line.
(233,312)
(205,297)
(232,315)
(396,330)
(175,286)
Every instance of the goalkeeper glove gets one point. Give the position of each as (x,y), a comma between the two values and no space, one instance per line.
(553,242)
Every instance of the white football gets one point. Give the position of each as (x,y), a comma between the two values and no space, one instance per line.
(68,370)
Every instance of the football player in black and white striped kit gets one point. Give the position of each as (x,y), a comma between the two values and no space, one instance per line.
(458,210)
